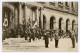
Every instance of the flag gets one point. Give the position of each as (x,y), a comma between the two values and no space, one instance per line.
(34,24)
(29,23)
(5,23)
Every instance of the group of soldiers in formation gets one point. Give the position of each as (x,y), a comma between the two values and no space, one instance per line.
(46,34)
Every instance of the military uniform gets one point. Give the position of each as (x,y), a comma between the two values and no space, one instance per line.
(56,37)
(26,34)
(73,39)
(46,40)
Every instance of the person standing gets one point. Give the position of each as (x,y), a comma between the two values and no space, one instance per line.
(56,37)
(46,38)
(29,36)
(26,35)
(73,39)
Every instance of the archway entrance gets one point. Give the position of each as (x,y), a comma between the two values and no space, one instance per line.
(7,22)
(52,22)
(39,22)
(67,25)
(73,25)
(7,17)
(60,23)
(44,22)
(60,27)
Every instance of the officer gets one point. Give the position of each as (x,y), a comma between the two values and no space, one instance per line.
(56,37)
(46,38)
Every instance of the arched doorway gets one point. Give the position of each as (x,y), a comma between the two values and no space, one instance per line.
(39,22)
(52,22)
(67,24)
(73,25)
(60,23)
(44,22)
(7,17)
(7,22)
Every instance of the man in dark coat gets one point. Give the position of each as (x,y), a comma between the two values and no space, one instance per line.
(26,35)
(46,38)
(56,37)
(73,39)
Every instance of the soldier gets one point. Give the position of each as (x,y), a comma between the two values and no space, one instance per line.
(51,33)
(56,37)
(29,35)
(73,39)
(26,35)
(33,34)
(40,34)
(46,38)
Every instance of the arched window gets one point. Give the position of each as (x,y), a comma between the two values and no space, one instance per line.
(73,24)
(44,22)
(7,17)
(67,24)
(52,22)
(60,23)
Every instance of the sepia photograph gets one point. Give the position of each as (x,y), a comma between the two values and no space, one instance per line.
(40,26)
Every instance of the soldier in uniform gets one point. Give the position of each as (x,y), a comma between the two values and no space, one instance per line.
(73,39)
(33,34)
(51,33)
(46,38)
(56,37)
(29,35)
(26,35)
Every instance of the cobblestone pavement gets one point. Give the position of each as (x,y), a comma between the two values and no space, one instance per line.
(38,45)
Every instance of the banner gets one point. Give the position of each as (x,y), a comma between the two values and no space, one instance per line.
(35,24)
(5,23)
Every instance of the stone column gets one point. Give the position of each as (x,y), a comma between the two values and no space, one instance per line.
(70,27)
(26,18)
(11,20)
(13,23)
(63,25)
(47,25)
(16,17)
(37,12)
(20,20)
(70,6)
(20,14)
(64,6)
(56,25)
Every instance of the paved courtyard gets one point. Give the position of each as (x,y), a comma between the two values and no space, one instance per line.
(38,45)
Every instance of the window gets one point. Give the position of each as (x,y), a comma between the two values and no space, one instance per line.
(60,2)
(72,4)
(72,7)
(66,4)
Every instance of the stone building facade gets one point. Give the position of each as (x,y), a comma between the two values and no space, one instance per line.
(46,15)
